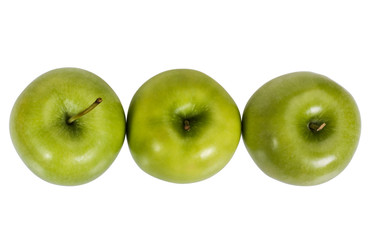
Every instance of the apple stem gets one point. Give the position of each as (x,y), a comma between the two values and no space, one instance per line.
(316,127)
(90,108)
(186,125)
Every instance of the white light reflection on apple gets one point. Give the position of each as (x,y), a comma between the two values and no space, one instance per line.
(274,143)
(184,108)
(156,146)
(207,152)
(314,110)
(322,162)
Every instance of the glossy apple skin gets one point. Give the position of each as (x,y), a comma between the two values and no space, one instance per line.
(276,133)
(56,151)
(157,139)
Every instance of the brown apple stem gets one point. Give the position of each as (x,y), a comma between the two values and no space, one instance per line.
(316,127)
(186,125)
(90,108)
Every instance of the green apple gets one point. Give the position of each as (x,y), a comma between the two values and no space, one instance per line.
(182,126)
(301,128)
(68,126)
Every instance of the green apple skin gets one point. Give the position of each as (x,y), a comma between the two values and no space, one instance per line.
(276,132)
(62,153)
(157,137)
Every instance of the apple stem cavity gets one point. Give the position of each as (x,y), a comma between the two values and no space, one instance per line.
(316,127)
(87,110)
(186,125)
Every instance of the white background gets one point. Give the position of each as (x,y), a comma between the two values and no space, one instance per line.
(242,45)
